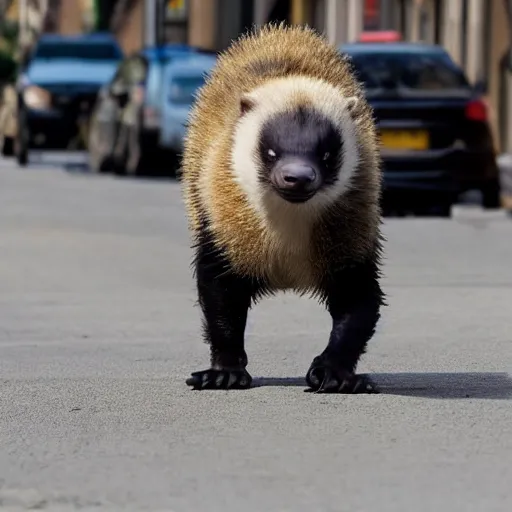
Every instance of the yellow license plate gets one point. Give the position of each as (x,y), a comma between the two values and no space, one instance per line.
(404,140)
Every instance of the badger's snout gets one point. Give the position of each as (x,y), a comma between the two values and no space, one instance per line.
(295,180)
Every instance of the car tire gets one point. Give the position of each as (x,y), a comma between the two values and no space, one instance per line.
(136,160)
(440,209)
(443,211)
(98,163)
(173,164)
(491,195)
(21,144)
(22,158)
(142,156)
(22,153)
(7,144)
(120,153)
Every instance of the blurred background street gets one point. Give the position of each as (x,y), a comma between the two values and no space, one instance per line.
(99,326)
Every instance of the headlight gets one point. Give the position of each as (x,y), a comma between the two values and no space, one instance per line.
(36,97)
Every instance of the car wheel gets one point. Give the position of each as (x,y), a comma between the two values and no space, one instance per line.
(7,145)
(135,158)
(22,158)
(172,161)
(491,195)
(21,145)
(120,153)
(22,153)
(442,209)
(98,163)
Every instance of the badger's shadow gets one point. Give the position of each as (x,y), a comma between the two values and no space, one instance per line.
(497,386)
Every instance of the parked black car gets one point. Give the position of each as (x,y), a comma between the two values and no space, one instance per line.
(58,88)
(125,125)
(436,138)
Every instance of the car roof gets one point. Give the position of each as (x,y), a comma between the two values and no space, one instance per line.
(100,37)
(193,62)
(398,47)
(167,50)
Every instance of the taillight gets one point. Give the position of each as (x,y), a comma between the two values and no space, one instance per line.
(476,110)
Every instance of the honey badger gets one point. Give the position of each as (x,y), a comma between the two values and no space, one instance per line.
(281,181)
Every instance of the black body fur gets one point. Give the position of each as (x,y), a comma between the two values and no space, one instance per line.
(352,295)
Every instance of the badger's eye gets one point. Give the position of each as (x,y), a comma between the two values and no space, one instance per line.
(326,156)
(271,153)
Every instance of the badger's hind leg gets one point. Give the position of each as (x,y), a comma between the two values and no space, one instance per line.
(224,298)
(353,298)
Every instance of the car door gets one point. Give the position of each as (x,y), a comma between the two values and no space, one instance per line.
(105,122)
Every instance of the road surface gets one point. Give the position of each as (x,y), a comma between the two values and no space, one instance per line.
(99,331)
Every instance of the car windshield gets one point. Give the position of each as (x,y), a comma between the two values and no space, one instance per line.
(70,50)
(183,88)
(416,72)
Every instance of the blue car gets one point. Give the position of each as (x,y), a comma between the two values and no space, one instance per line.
(58,88)
(182,81)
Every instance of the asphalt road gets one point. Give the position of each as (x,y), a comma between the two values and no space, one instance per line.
(99,330)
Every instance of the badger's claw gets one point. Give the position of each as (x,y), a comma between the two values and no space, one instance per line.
(323,377)
(220,379)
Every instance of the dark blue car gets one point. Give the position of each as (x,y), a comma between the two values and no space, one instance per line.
(59,87)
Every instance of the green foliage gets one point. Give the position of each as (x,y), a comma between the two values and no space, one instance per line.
(8,47)
(8,68)
(8,36)
(9,29)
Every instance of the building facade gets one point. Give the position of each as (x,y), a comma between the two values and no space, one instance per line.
(477,33)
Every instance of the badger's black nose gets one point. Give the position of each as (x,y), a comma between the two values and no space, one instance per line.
(296,179)
(297,176)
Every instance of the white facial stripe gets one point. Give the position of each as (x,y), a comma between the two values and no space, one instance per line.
(278,96)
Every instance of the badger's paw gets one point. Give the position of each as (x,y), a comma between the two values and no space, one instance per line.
(324,377)
(220,379)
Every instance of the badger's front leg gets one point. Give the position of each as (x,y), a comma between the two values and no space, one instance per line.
(224,299)
(353,298)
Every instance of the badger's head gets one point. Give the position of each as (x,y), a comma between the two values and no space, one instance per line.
(296,141)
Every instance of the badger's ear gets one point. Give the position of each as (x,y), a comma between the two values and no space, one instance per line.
(247,103)
(352,102)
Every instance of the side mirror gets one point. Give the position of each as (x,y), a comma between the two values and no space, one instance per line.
(481,86)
